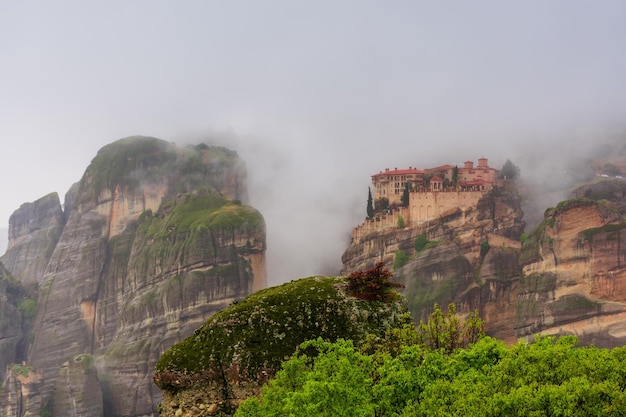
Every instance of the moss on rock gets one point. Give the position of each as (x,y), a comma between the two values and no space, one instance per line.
(250,339)
(131,162)
(198,227)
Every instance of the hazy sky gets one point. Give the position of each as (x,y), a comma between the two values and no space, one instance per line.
(315,95)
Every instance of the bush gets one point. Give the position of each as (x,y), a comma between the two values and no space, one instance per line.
(401,258)
(400,222)
(484,248)
(28,308)
(373,284)
(420,243)
(21,370)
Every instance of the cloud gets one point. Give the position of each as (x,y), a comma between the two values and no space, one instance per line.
(315,96)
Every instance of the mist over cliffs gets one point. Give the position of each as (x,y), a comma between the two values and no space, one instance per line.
(152,241)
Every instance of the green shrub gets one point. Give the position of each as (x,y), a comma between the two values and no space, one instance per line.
(401,222)
(28,308)
(21,370)
(484,248)
(400,259)
(420,243)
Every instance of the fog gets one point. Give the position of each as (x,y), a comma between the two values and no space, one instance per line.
(315,96)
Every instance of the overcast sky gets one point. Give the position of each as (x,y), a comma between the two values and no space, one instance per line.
(315,95)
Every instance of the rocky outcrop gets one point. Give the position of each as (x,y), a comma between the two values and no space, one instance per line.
(498,210)
(77,390)
(34,230)
(470,258)
(238,349)
(21,393)
(568,278)
(12,295)
(156,239)
(574,275)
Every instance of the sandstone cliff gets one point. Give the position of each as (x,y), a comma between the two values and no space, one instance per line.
(574,275)
(451,266)
(11,332)
(154,240)
(34,230)
(568,277)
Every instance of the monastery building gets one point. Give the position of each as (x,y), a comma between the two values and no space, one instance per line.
(432,193)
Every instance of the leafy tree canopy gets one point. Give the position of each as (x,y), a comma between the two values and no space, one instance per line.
(509,170)
(402,376)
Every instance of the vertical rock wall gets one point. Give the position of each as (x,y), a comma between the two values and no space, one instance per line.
(155,239)
(34,230)
(11,336)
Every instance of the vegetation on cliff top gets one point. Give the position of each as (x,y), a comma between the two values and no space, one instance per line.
(202,211)
(200,226)
(131,161)
(538,236)
(251,338)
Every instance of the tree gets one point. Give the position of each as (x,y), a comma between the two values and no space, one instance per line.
(405,194)
(373,284)
(370,206)
(382,204)
(401,222)
(396,376)
(484,248)
(509,170)
(426,180)
(335,381)
(611,170)
(400,259)
(420,243)
(445,331)
(455,176)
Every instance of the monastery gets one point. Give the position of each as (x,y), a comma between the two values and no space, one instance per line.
(432,193)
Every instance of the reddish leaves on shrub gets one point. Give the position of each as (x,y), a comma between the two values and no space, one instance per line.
(373,284)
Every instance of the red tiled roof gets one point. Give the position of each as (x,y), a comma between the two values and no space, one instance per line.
(436,178)
(478,181)
(441,168)
(399,172)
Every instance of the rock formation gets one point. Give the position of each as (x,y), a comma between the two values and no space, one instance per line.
(574,274)
(34,230)
(568,277)
(451,267)
(22,392)
(11,331)
(77,391)
(154,240)
(238,349)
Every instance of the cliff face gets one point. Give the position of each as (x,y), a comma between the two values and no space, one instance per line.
(568,277)
(450,266)
(498,210)
(574,276)
(156,241)
(34,230)
(11,335)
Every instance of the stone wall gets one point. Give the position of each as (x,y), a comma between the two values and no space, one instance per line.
(423,207)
